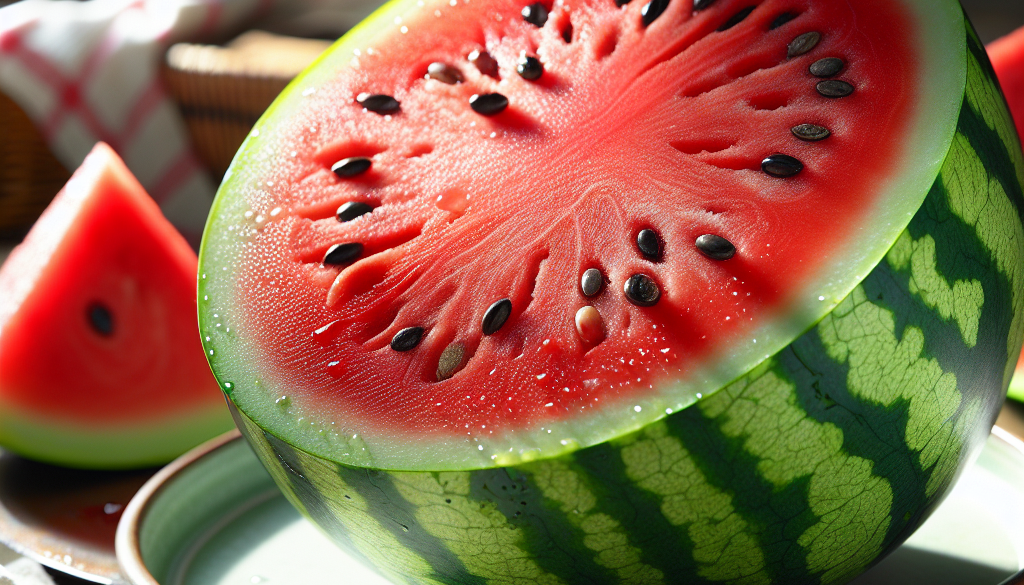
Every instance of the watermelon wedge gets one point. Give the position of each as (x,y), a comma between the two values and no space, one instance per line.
(100,362)
(586,291)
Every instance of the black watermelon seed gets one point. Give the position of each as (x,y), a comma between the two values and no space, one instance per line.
(351,166)
(407,339)
(450,360)
(649,244)
(826,67)
(535,14)
(444,73)
(641,290)
(803,44)
(488,104)
(715,247)
(530,68)
(834,88)
(699,5)
(782,19)
(100,319)
(652,10)
(484,62)
(811,132)
(378,103)
(621,3)
(736,18)
(591,282)
(353,209)
(781,165)
(342,253)
(495,316)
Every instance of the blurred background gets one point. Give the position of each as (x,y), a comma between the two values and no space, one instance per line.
(994,18)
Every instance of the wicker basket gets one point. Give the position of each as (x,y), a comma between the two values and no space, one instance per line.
(222,91)
(29,174)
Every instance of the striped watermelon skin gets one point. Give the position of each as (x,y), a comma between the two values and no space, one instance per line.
(806,470)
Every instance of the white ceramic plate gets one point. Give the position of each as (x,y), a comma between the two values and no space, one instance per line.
(215,518)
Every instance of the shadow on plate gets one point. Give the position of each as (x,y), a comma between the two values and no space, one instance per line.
(65,518)
(912,565)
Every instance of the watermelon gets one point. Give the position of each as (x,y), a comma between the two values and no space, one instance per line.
(586,291)
(100,362)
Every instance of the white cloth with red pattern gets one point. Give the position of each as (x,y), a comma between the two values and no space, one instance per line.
(88,71)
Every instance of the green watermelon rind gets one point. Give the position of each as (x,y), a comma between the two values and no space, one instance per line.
(806,470)
(236,359)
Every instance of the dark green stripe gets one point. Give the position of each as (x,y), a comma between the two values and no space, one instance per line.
(385,505)
(554,543)
(996,155)
(777,518)
(639,513)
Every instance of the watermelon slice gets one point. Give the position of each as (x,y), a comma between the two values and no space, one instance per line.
(100,362)
(589,291)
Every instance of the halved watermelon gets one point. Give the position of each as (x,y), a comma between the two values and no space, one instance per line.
(100,364)
(590,291)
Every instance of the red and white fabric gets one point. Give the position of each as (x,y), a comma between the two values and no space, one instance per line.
(88,71)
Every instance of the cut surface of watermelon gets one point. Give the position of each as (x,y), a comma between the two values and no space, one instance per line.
(100,363)
(632,125)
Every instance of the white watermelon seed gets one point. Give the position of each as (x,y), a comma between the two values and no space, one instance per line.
(450,360)
(590,325)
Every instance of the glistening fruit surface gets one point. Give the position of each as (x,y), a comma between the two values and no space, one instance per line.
(368,337)
(99,361)
(801,469)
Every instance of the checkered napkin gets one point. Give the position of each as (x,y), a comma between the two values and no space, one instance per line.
(88,71)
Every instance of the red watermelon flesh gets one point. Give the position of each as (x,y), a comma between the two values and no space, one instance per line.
(632,125)
(1007,55)
(100,358)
